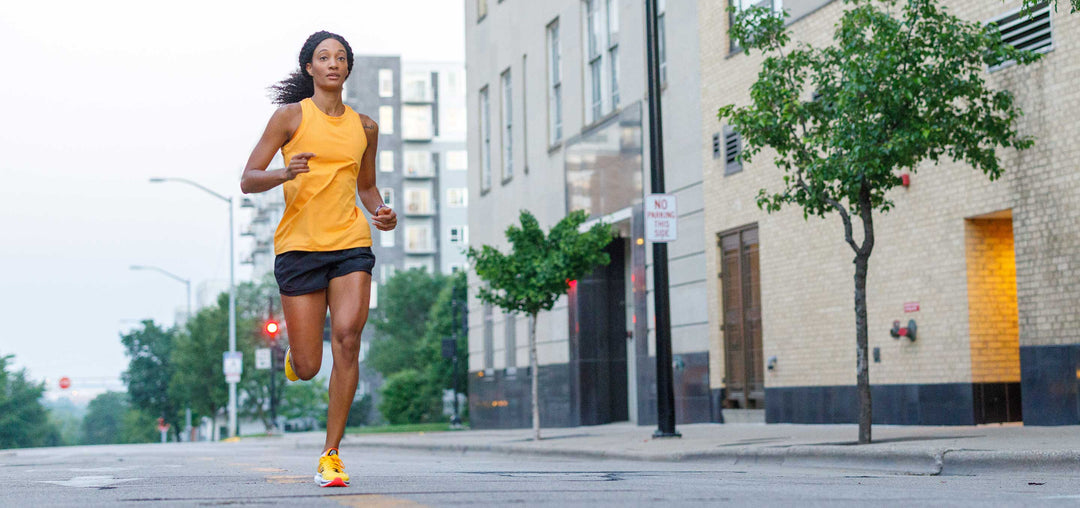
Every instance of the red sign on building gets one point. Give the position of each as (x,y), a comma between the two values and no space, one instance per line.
(911,307)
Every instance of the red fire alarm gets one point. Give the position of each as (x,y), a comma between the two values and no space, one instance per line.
(905,179)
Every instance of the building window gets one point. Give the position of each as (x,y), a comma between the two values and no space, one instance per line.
(457,197)
(386,83)
(386,119)
(386,161)
(507,126)
(595,58)
(485,141)
(511,340)
(386,238)
(417,122)
(459,234)
(373,296)
(555,83)
(489,337)
(418,238)
(481,10)
(613,48)
(457,160)
(418,164)
(388,196)
(418,201)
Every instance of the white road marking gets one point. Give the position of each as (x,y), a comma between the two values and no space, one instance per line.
(91,481)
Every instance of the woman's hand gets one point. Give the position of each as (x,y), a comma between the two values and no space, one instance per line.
(385,219)
(298,165)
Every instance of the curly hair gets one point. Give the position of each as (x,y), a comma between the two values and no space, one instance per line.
(300,85)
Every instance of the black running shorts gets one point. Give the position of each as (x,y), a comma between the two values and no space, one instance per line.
(301,272)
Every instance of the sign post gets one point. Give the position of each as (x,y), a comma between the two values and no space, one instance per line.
(262,358)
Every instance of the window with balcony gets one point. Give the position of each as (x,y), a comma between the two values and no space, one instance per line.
(459,235)
(386,238)
(418,201)
(417,87)
(388,196)
(418,238)
(419,164)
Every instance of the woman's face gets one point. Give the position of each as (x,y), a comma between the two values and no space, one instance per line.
(329,65)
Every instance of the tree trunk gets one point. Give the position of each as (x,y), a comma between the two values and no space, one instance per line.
(534,373)
(862,262)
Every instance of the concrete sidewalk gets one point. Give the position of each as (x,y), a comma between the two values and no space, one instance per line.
(899,449)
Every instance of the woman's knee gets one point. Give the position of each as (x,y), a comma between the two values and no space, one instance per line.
(347,337)
(304,367)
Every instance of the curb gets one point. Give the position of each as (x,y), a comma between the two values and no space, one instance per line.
(925,462)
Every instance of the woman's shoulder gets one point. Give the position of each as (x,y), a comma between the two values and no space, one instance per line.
(367,122)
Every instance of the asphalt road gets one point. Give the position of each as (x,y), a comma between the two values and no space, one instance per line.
(270,473)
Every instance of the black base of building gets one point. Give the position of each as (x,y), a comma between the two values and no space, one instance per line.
(1050,380)
(909,404)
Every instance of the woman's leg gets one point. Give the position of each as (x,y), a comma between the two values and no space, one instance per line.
(348,298)
(305,316)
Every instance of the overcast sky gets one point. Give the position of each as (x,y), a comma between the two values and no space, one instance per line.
(101,96)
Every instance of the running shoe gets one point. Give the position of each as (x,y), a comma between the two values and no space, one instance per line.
(290,374)
(331,471)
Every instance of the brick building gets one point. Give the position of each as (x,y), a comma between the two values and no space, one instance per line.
(989,271)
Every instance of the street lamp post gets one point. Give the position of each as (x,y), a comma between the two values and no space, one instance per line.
(232,289)
(187,282)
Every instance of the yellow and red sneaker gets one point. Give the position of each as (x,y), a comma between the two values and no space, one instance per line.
(331,471)
(290,374)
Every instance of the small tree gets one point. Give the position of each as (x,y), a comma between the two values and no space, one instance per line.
(536,273)
(150,370)
(890,94)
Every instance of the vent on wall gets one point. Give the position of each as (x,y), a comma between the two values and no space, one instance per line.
(732,147)
(1027,32)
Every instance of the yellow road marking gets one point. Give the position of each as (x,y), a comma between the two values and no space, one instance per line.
(289,479)
(267,470)
(374,500)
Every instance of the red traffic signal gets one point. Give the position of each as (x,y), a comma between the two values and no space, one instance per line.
(271,328)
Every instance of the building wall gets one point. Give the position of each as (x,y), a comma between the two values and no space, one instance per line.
(513,35)
(921,247)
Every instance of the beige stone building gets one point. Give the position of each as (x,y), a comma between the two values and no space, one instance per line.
(988,271)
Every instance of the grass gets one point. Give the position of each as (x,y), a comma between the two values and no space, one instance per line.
(407,427)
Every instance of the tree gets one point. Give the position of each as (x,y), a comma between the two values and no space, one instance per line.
(891,93)
(1031,4)
(24,422)
(137,426)
(302,400)
(404,303)
(150,370)
(536,272)
(104,418)
(441,324)
(198,381)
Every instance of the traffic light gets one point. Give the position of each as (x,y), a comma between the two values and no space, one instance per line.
(271,328)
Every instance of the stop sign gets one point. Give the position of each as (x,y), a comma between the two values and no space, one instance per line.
(65,383)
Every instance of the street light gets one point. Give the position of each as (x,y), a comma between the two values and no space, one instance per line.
(232,289)
(187,282)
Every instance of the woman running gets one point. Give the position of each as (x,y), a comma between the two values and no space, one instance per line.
(323,243)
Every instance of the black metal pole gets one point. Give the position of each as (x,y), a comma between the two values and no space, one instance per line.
(665,390)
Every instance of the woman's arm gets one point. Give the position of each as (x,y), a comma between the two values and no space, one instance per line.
(384,217)
(279,129)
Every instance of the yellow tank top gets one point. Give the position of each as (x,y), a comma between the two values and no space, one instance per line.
(320,206)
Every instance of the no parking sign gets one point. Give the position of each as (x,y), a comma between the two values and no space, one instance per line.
(661,218)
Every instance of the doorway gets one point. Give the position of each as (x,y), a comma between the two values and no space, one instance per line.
(740,278)
(993,317)
(598,340)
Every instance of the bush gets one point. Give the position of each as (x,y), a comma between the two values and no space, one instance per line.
(409,398)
